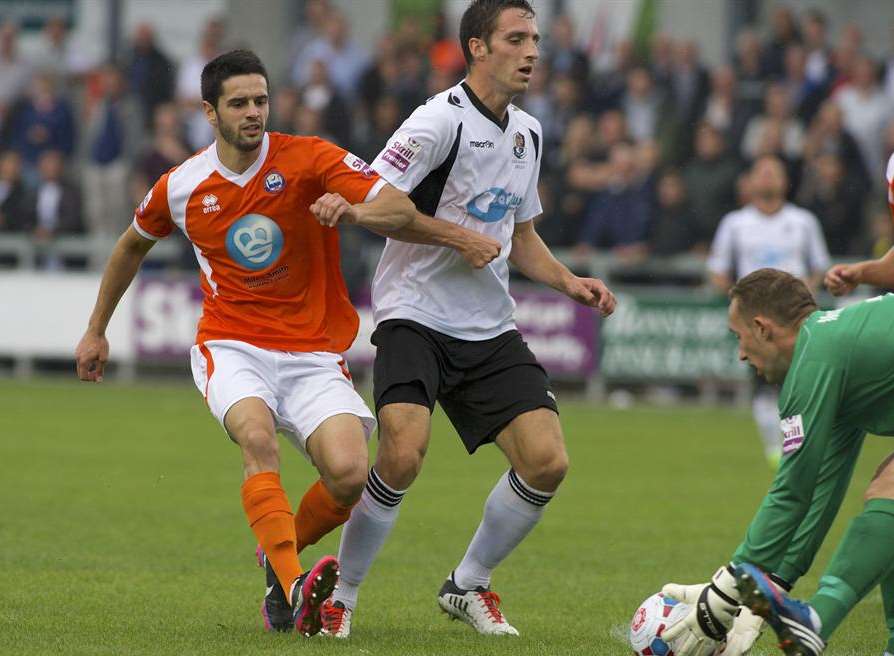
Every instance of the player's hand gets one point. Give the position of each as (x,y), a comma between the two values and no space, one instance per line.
(91,355)
(842,279)
(593,293)
(332,209)
(711,615)
(746,630)
(479,250)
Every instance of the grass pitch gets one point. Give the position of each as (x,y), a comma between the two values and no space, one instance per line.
(122,531)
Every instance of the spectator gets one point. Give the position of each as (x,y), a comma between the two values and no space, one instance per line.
(723,109)
(14,71)
(321,97)
(673,230)
(166,149)
(345,60)
(750,71)
(199,132)
(445,53)
(381,75)
(44,120)
(16,201)
(57,208)
(561,227)
(57,55)
(150,73)
(805,94)
(386,119)
(309,30)
(838,204)
(564,105)
(618,217)
(783,33)
(827,135)
(689,85)
(562,55)
(282,108)
(818,67)
(710,179)
(661,61)
(643,106)
(866,112)
(777,116)
(111,142)
(846,54)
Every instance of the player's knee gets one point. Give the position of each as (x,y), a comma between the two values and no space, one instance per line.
(399,465)
(346,480)
(546,470)
(259,444)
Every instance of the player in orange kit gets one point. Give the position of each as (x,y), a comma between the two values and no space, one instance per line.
(259,208)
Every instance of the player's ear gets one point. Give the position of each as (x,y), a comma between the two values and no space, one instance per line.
(478,48)
(210,112)
(763,327)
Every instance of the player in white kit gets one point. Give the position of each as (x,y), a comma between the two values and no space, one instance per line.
(445,329)
(768,233)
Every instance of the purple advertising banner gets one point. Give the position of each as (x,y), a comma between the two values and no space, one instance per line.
(561,333)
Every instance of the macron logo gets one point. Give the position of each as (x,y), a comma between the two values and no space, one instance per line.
(481,144)
(210,204)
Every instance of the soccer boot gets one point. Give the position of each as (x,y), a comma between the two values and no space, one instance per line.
(309,592)
(336,619)
(275,608)
(792,620)
(479,607)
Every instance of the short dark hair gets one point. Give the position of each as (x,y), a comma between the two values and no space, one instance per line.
(775,294)
(225,66)
(480,20)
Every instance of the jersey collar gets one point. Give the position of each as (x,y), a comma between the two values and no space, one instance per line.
(243,178)
(483,109)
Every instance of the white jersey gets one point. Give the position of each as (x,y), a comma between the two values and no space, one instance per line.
(747,240)
(459,163)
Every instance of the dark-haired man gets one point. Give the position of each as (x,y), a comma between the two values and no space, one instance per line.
(259,209)
(837,375)
(444,324)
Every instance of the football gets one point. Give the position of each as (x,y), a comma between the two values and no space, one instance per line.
(650,620)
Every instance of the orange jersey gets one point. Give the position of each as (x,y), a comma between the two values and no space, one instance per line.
(270,273)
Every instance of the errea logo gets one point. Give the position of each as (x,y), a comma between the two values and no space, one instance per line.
(210,204)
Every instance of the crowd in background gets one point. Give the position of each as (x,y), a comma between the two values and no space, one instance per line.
(642,156)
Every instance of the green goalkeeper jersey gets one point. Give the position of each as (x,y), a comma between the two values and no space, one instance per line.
(839,387)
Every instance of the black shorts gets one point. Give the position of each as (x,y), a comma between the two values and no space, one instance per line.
(481,385)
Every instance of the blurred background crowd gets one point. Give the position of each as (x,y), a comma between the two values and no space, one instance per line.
(644,149)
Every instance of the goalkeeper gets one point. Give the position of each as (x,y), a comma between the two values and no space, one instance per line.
(837,375)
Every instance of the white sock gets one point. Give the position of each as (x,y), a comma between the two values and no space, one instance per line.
(363,536)
(511,511)
(765,408)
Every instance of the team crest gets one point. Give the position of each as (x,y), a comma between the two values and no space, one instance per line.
(519,149)
(274,182)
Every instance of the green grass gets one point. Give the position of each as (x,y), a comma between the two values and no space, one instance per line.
(122,531)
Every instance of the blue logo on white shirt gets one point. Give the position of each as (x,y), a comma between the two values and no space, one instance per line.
(254,241)
(492,205)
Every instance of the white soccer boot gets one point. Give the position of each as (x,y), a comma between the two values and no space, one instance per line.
(336,619)
(479,608)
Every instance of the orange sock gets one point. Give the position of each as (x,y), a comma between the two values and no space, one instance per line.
(270,517)
(317,514)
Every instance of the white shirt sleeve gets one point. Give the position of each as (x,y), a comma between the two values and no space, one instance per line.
(720,259)
(889,175)
(817,252)
(418,147)
(530,206)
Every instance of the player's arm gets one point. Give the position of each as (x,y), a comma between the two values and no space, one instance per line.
(534,259)
(720,258)
(93,349)
(390,209)
(843,278)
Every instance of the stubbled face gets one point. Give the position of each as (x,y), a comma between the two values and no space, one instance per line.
(511,53)
(240,117)
(756,346)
